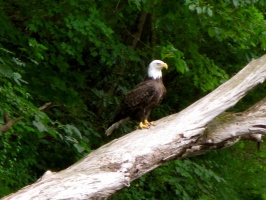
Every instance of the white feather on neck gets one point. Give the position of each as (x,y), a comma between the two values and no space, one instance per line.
(154,73)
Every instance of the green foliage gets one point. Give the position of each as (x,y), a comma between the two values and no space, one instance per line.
(245,175)
(79,55)
(175,58)
(179,179)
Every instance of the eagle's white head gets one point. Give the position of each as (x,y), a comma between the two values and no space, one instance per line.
(155,69)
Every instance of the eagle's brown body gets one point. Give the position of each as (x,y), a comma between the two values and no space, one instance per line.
(139,101)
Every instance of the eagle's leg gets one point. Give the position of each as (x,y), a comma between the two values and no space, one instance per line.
(143,125)
(145,117)
(149,123)
(144,120)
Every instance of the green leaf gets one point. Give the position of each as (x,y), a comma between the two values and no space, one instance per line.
(79,148)
(192,7)
(211,31)
(6,71)
(181,66)
(199,10)
(17,78)
(72,130)
(236,3)
(40,126)
(209,11)
(7,51)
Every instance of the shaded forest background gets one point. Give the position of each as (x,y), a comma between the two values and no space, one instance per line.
(83,56)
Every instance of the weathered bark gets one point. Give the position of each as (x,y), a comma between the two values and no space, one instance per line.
(187,133)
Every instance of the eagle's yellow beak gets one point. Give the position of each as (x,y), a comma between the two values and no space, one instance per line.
(164,65)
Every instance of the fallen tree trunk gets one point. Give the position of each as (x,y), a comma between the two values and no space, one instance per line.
(187,133)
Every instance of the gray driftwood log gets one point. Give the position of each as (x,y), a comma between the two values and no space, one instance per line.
(190,132)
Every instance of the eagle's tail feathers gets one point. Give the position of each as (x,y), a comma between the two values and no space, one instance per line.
(114,126)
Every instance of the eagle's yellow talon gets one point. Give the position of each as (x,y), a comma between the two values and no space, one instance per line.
(142,125)
(149,123)
(152,123)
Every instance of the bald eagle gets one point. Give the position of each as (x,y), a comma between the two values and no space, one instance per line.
(138,103)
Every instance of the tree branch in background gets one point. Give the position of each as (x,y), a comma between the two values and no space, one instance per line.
(140,25)
(45,106)
(10,122)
